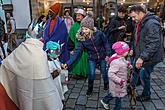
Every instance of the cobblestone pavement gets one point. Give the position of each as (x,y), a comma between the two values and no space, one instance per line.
(76,96)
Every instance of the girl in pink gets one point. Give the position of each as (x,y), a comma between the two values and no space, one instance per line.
(117,75)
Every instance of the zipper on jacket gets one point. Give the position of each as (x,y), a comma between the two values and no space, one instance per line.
(98,55)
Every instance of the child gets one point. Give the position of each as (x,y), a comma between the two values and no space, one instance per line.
(96,44)
(53,51)
(117,75)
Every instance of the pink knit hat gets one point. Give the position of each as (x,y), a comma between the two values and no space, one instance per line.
(120,47)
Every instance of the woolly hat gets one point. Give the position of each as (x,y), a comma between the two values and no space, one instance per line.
(88,21)
(55,8)
(120,47)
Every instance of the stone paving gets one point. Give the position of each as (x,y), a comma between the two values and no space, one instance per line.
(76,96)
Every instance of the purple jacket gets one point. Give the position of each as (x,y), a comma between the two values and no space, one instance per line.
(60,34)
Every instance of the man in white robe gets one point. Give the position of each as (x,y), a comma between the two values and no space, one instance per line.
(26,78)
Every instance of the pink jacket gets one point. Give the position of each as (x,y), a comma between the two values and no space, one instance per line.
(118,71)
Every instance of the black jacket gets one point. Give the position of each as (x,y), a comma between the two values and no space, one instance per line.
(150,40)
(112,32)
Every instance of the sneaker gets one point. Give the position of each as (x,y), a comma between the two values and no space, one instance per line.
(104,105)
(143,98)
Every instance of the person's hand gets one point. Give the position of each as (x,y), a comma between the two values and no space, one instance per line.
(64,66)
(130,66)
(139,63)
(122,83)
(121,27)
(131,52)
(71,52)
(106,58)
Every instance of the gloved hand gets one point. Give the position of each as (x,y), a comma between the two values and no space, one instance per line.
(122,83)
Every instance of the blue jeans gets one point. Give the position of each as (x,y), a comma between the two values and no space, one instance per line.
(92,68)
(144,75)
(109,97)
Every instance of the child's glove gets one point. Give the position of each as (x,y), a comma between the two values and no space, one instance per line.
(122,83)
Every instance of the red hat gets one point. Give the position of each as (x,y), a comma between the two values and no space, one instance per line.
(55,8)
(120,47)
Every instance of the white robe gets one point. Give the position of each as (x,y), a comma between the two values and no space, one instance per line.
(62,88)
(27,80)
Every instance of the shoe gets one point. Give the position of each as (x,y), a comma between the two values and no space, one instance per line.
(89,93)
(143,98)
(106,86)
(90,88)
(106,106)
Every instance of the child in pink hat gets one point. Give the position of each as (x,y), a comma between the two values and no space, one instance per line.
(117,75)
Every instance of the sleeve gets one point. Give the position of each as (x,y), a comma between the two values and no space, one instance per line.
(64,53)
(12,26)
(111,27)
(152,40)
(106,44)
(76,54)
(114,68)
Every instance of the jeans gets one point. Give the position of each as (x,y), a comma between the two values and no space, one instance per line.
(144,75)
(109,97)
(92,68)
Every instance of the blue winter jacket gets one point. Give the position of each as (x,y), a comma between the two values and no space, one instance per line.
(97,47)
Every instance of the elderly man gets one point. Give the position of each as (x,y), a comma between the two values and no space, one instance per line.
(26,78)
(147,46)
(56,30)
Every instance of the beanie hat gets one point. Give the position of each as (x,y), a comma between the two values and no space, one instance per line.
(120,47)
(88,22)
(55,8)
(81,11)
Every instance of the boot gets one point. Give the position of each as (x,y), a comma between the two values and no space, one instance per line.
(106,86)
(90,88)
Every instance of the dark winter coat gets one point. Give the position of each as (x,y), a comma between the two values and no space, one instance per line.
(97,48)
(149,46)
(113,33)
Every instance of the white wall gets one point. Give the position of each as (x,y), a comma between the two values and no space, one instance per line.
(21,13)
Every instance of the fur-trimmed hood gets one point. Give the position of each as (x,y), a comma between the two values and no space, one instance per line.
(84,37)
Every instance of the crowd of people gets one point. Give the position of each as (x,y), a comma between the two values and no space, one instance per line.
(34,76)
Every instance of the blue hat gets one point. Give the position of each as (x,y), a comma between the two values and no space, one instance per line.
(52,45)
(53,49)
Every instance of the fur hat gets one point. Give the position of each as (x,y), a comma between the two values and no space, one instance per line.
(88,21)
(120,47)
(55,8)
